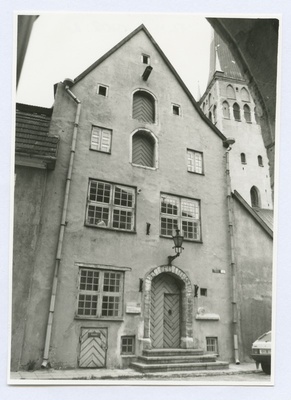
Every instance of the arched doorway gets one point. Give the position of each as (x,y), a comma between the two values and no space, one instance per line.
(168,309)
(165,312)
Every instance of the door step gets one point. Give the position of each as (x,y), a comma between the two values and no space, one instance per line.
(162,360)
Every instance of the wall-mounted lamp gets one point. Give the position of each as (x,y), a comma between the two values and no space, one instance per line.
(178,241)
(147,73)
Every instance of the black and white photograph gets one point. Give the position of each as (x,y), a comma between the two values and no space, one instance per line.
(144,198)
(144,201)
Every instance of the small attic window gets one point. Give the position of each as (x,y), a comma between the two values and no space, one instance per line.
(102,90)
(176,109)
(145,59)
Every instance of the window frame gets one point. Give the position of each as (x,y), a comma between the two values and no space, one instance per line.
(100,145)
(143,55)
(260,161)
(178,108)
(133,338)
(180,218)
(111,206)
(100,293)
(243,158)
(215,345)
(195,152)
(155,148)
(106,87)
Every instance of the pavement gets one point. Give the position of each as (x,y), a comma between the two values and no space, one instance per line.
(17,378)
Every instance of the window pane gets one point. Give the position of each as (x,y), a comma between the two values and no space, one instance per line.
(112,282)
(168,226)
(98,216)
(169,205)
(87,304)
(191,230)
(123,197)
(110,306)
(99,191)
(122,219)
(190,208)
(89,280)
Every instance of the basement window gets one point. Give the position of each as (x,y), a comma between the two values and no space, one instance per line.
(127,345)
(203,292)
(212,345)
(102,90)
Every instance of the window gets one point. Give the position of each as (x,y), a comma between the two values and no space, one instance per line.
(110,206)
(230,93)
(203,292)
(212,345)
(214,114)
(255,197)
(145,59)
(257,118)
(180,213)
(225,110)
(176,109)
(101,139)
(100,293)
(243,158)
(260,161)
(143,107)
(247,113)
(195,161)
(236,112)
(210,116)
(128,345)
(102,90)
(143,149)
(244,94)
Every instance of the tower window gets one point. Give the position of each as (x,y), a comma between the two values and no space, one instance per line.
(225,110)
(260,161)
(102,90)
(255,197)
(230,93)
(243,158)
(236,112)
(247,113)
(143,149)
(143,107)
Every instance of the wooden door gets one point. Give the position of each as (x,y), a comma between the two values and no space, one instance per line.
(165,296)
(93,348)
(171,331)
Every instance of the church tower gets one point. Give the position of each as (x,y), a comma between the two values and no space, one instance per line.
(227,102)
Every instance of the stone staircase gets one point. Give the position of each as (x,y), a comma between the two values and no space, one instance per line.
(161,360)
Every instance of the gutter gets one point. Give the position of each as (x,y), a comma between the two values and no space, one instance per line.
(228,143)
(45,363)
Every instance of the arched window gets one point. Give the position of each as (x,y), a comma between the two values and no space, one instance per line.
(260,161)
(243,158)
(225,110)
(214,114)
(255,197)
(230,93)
(236,112)
(247,113)
(245,96)
(143,107)
(143,149)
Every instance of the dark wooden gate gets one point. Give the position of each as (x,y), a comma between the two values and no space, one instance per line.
(165,312)
(93,348)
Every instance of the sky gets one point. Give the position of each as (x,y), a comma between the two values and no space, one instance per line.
(62,45)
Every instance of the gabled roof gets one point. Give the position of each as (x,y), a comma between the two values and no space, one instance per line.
(31,134)
(167,62)
(263,216)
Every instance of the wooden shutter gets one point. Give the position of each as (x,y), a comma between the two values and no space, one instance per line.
(143,149)
(143,107)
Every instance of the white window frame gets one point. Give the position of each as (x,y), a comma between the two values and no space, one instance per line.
(195,162)
(172,221)
(103,86)
(100,293)
(98,141)
(110,208)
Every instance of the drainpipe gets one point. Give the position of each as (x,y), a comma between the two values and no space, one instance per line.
(228,143)
(45,362)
